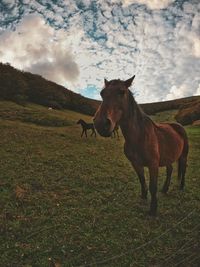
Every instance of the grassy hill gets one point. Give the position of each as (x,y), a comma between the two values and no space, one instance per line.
(189,112)
(24,87)
(67,201)
(152,108)
(39,115)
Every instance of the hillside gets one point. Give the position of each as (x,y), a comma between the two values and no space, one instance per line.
(152,108)
(22,87)
(39,115)
(71,201)
(189,112)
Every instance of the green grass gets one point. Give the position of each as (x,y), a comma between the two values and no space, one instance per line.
(39,115)
(165,116)
(72,201)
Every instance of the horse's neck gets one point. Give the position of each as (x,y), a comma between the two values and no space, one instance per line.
(133,126)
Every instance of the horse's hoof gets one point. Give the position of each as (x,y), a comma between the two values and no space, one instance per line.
(152,213)
(144,197)
(164,191)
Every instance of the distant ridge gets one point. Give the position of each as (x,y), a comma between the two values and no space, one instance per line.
(22,87)
(152,108)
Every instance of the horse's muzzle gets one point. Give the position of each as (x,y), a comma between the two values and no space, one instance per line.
(103,127)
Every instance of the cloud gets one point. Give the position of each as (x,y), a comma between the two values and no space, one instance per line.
(177,92)
(38,48)
(198,91)
(196,46)
(79,43)
(152,4)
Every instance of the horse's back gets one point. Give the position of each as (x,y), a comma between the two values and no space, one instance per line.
(179,129)
(172,128)
(90,126)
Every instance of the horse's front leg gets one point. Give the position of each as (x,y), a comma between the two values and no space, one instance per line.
(153,171)
(92,132)
(82,133)
(140,172)
(139,169)
(117,134)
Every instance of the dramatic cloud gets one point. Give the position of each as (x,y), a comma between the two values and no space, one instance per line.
(79,43)
(152,4)
(38,48)
(197,91)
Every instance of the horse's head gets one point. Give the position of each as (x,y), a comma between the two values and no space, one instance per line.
(115,103)
(79,121)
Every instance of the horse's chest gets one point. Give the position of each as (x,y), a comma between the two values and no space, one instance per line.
(135,154)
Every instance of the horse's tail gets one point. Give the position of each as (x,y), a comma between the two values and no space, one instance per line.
(182,164)
(182,161)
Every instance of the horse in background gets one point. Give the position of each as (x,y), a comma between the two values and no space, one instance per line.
(147,144)
(115,132)
(86,126)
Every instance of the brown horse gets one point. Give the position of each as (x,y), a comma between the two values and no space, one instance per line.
(115,132)
(86,126)
(147,144)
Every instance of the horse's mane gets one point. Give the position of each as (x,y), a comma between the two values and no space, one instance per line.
(134,108)
(140,118)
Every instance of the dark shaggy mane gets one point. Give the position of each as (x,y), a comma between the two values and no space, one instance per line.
(136,111)
(134,108)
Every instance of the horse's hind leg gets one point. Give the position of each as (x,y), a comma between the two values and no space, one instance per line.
(182,164)
(153,171)
(182,170)
(113,134)
(93,132)
(169,169)
(117,134)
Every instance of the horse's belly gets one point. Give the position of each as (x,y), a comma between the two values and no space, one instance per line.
(171,153)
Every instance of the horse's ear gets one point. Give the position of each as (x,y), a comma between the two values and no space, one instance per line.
(129,81)
(106,82)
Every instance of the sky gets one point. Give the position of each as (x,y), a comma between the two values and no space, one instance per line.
(78,43)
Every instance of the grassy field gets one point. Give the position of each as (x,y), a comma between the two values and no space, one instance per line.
(67,201)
